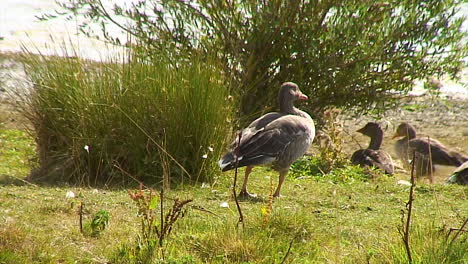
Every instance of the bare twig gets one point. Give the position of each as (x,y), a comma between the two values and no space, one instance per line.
(431,174)
(409,206)
(461,229)
(161,214)
(153,233)
(117,165)
(80,212)
(352,137)
(290,245)
(241,216)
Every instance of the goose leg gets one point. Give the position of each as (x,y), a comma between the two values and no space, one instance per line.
(282,176)
(244,193)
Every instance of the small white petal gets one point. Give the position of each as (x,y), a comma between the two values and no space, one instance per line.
(224,205)
(403,182)
(70,194)
(210,149)
(205,156)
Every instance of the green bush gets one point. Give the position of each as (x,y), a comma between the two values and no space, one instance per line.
(159,119)
(348,54)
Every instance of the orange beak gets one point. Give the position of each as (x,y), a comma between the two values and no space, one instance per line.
(395,136)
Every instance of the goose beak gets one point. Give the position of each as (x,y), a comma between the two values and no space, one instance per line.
(302,97)
(395,136)
(361,130)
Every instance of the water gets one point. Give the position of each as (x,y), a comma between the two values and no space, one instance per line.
(20,27)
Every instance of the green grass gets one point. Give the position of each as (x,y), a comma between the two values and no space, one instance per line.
(152,119)
(16,154)
(325,221)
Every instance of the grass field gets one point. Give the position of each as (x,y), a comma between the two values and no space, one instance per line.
(317,220)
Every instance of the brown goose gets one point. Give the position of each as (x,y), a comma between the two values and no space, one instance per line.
(373,155)
(423,149)
(278,137)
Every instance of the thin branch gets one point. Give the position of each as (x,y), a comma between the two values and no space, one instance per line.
(161,200)
(409,206)
(461,229)
(197,11)
(431,174)
(109,17)
(80,212)
(241,216)
(290,246)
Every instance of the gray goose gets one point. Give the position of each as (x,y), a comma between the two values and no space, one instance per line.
(423,149)
(373,156)
(279,138)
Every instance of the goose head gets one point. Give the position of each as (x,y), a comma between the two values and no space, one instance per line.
(405,130)
(288,94)
(371,129)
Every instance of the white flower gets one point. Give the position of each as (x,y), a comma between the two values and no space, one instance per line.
(224,205)
(86,147)
(205,156)
(403,182)
(70,194)
(210,149)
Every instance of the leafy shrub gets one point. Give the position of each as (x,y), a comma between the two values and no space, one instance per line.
(314,167)
(347,54)
(306,166)
(99,222)
(163,119)
(330,141)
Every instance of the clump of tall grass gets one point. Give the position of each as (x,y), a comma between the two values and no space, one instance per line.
(429,245)
(138,118)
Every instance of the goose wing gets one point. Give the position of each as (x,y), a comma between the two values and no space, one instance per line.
(375,158)
(440,154)
(271,142)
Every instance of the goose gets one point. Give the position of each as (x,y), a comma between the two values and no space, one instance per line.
(428,151)
(277,138)
(373,155)
(459,175)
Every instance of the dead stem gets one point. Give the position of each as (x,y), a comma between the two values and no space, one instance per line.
(409,207)
(459,230)
(241,216)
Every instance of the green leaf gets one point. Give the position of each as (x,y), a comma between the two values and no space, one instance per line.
(153,203)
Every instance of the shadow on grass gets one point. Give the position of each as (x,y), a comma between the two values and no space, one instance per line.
(12,180)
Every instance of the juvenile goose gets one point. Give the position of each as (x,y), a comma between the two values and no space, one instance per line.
(428,151)
(277,137)
(373,155)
